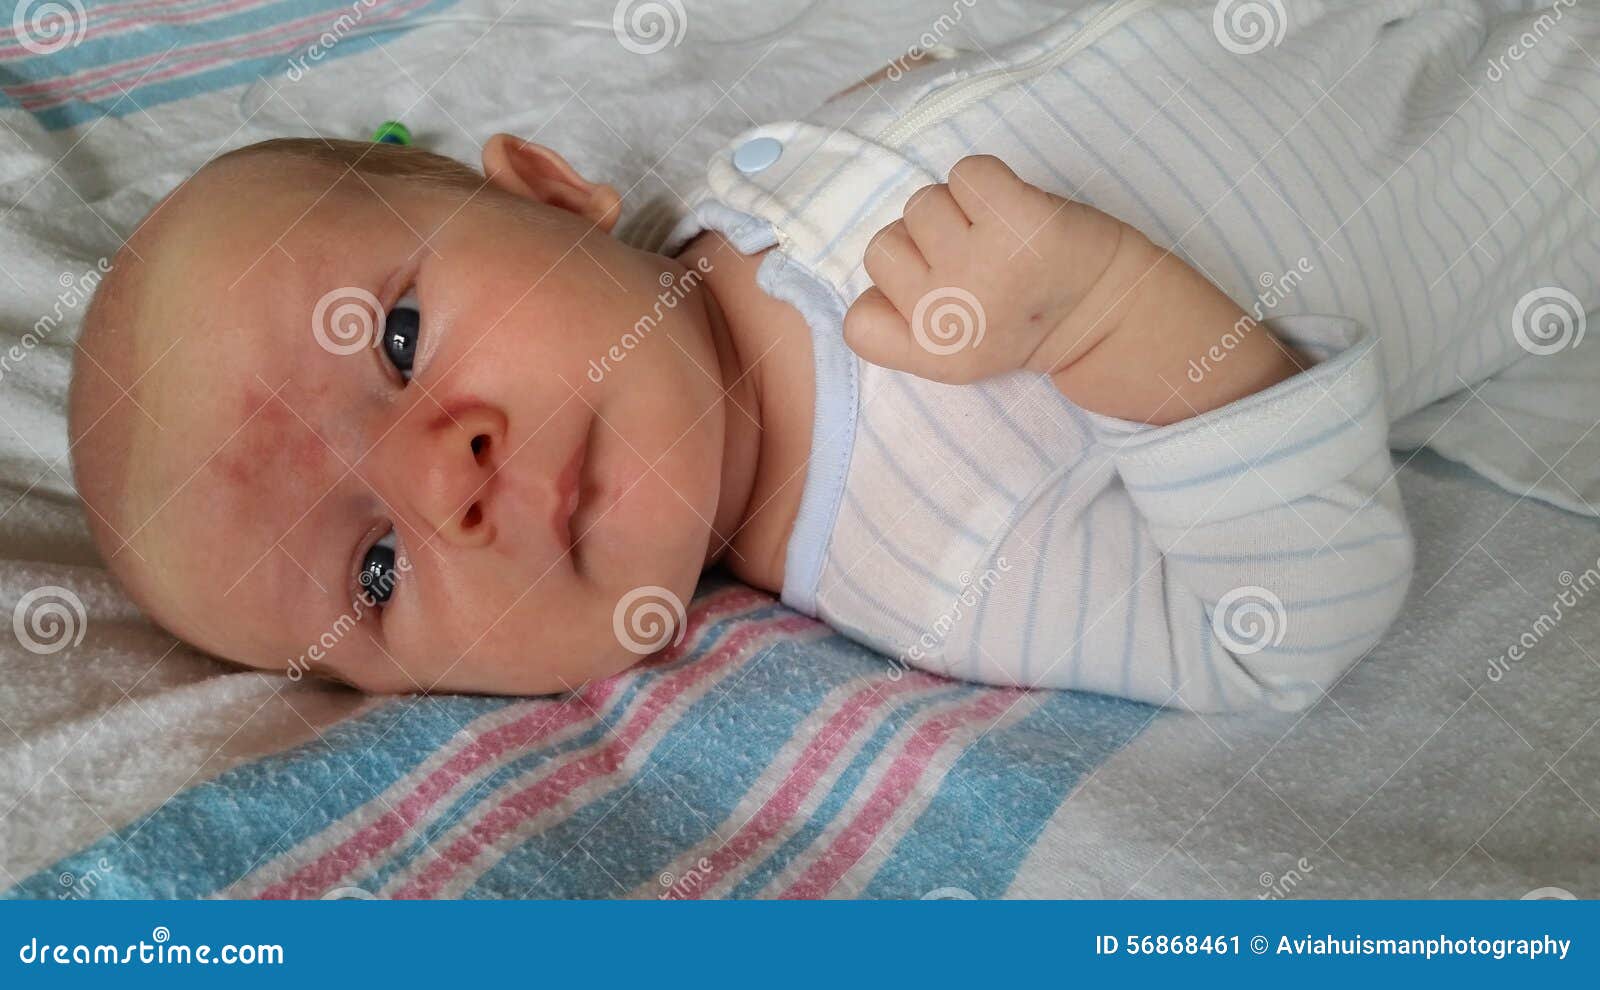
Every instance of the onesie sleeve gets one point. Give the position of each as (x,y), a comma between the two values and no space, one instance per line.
(1279,514)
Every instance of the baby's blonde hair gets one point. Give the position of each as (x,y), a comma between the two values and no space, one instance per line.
(366,157)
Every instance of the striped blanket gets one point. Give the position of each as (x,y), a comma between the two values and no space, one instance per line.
(764,755)
(69,62)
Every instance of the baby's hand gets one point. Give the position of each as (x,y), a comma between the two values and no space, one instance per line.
(983,275)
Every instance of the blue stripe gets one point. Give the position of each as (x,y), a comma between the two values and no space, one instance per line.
(155,39)
(911,487)
(207,836)
(881,542)
(898,719)
(1086,571)
(1131,602)
(487,787)
(1022,773)
(1274,455)
(1233,559)
(688,784)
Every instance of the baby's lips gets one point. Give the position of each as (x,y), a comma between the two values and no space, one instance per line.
(568,494)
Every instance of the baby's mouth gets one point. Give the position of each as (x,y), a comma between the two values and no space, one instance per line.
(569,493)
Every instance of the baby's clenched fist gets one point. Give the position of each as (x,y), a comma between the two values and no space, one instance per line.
(986,274)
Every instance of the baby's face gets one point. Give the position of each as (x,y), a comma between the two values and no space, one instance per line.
(520,481)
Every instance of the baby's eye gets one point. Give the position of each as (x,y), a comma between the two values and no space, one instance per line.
(400,330)
(377,576)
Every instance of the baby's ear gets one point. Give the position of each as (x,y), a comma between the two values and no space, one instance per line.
(539,173)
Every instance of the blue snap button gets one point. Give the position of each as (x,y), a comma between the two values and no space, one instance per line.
(757,154)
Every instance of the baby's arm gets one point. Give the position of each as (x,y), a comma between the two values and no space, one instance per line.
(1266,492)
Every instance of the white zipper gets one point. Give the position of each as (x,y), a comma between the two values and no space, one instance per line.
(941,103)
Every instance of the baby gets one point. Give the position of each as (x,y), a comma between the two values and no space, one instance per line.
(1069,364)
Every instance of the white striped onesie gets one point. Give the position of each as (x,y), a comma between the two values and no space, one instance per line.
(1354,182)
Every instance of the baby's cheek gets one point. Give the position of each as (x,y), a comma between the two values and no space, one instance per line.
(275,448)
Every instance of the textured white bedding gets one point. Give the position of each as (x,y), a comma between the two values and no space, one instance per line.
(1422,775)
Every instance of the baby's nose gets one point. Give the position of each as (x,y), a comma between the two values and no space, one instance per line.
(446,470)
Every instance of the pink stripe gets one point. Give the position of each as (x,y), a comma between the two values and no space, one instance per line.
(316,877)
(63,88)
(819,754)
(132,65)
(98,26)
(849,845)
(106,11)
(546,792)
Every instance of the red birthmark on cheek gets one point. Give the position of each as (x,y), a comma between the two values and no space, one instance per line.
(275,454)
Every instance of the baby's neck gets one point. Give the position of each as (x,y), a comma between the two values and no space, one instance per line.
(763,350)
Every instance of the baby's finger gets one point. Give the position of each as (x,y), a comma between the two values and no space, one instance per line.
(984,187)
(937,223)
(896,264)
(876,331)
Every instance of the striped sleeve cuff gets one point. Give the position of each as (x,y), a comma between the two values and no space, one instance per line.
(1298,437)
